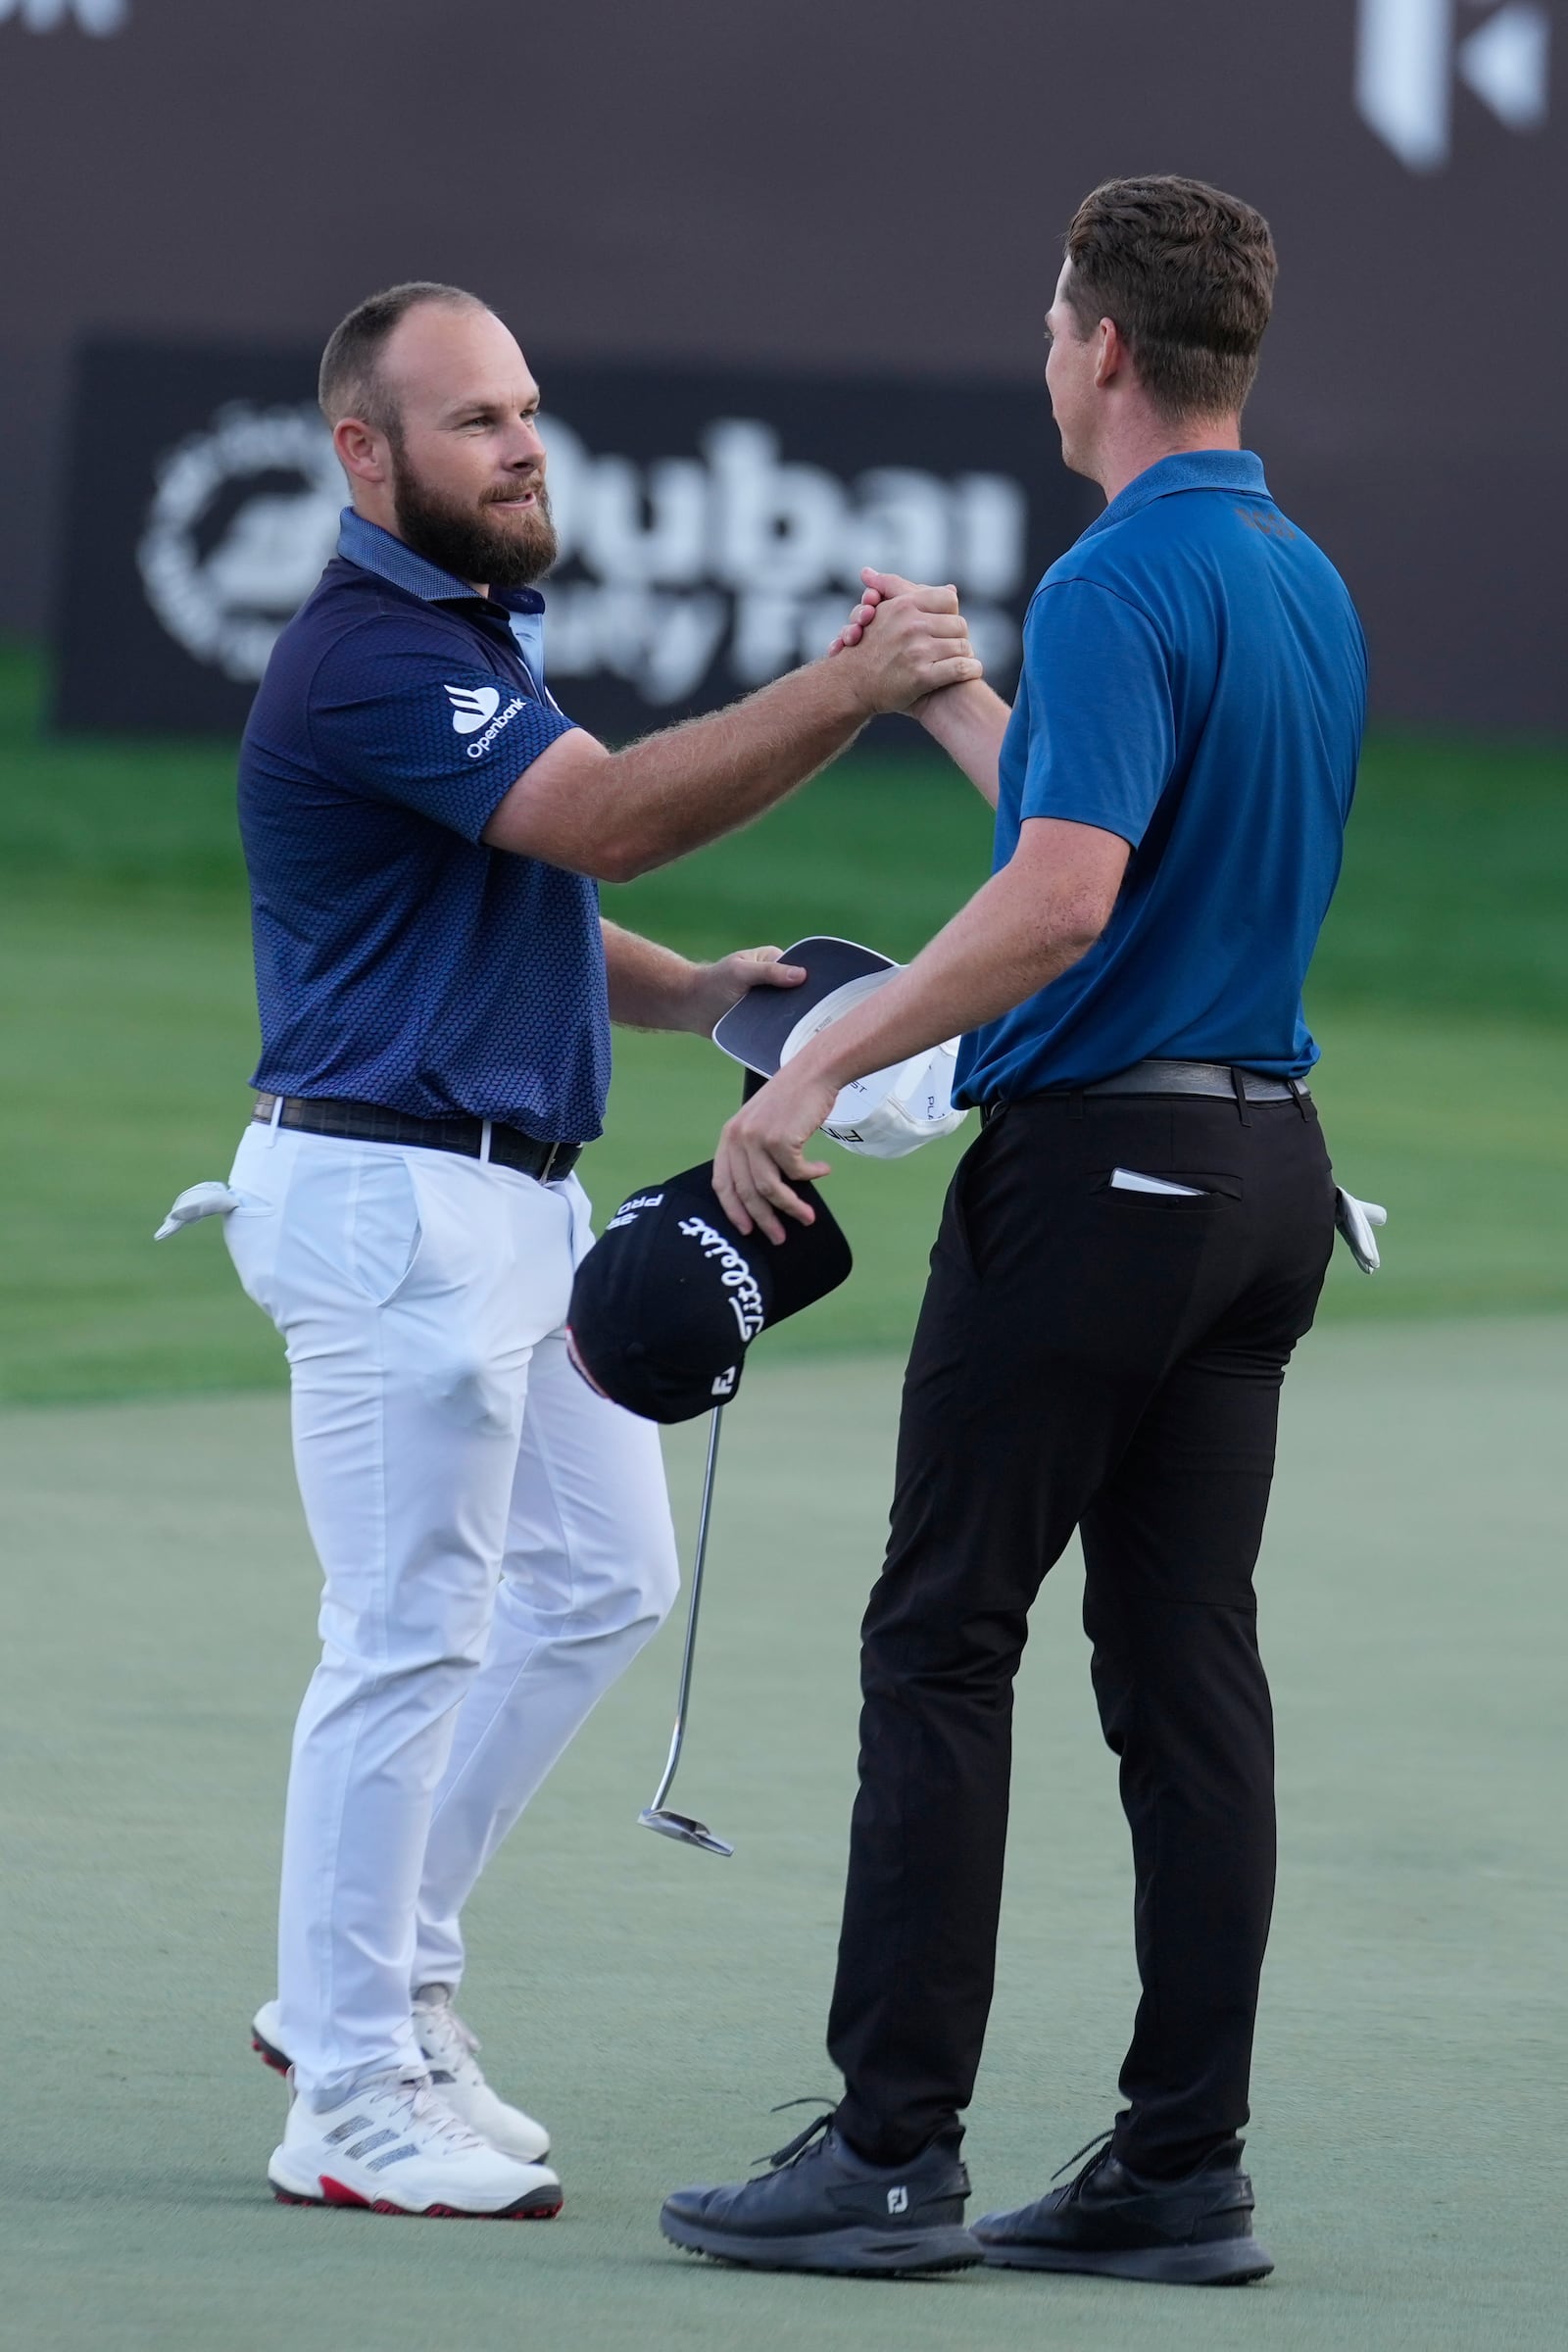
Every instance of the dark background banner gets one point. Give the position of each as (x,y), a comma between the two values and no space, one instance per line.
(875,191)
(713,526)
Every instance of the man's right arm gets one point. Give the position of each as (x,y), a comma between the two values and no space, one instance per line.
(617,814)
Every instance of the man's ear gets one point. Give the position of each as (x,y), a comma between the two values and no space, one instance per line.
(361,450)
(1111,358)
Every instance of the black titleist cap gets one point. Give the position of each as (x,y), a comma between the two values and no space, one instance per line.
(672,1295)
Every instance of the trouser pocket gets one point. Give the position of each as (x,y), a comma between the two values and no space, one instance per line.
(384,1232)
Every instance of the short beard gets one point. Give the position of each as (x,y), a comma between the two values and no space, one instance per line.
(464,541)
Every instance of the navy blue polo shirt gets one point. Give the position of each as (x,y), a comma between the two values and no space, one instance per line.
(398,959)
(1195,680)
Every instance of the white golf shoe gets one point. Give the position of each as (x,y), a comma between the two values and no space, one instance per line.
(396,2147)
(455,2072)
(450,2046)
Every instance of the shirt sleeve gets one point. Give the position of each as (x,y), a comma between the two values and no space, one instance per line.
(446,738)
(1102,737)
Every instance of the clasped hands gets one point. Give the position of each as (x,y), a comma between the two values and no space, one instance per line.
(920,649)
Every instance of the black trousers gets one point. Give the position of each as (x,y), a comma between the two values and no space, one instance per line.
(1109,1360)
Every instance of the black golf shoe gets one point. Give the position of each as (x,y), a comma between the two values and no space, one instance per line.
(823,2208)
(1196,2232)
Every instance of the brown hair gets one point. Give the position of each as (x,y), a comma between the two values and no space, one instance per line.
(1186,274)
(350,384)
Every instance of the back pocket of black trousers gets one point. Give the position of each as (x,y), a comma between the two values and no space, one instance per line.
(1201,1188)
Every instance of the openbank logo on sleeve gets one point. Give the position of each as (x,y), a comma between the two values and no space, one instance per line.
(471,706)
(712,528)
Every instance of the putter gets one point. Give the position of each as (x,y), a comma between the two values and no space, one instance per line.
(655,1816)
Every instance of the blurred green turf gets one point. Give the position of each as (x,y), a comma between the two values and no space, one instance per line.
(1441,995)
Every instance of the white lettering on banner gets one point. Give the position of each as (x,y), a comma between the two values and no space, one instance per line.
(1409,53)
(744,545)
(101,17)
(746,1299)
(228,605)
(738,560)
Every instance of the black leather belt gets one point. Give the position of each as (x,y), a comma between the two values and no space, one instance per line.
(372,1123)
(1214,1080)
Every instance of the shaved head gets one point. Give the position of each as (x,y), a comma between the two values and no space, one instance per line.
(353,377)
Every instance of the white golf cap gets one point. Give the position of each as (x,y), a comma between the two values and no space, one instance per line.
(885,1114)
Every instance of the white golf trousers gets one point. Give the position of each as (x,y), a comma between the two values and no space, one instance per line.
(495,1541)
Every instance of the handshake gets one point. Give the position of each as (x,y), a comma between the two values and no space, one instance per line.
(905,644)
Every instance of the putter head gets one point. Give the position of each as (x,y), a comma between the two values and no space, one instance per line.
(682,1825)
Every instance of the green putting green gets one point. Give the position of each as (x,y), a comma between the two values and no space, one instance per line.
(654,2002)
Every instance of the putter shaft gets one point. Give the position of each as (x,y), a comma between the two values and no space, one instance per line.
(689,1651)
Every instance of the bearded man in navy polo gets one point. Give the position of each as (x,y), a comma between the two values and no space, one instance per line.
(425,830)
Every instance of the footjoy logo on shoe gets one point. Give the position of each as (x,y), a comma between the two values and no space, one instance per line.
(471,706)
(898,2200)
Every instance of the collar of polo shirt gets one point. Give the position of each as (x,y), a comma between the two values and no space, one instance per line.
(374,549)
(1189,469)
(517,613)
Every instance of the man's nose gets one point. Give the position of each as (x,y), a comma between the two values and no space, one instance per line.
(527,448)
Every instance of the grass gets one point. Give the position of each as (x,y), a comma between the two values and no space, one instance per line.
(1441,995)
(652,2004)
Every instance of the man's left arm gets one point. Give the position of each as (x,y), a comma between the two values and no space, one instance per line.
(1029,923)
(653,988)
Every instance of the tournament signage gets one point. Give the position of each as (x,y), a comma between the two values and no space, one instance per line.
(713,526)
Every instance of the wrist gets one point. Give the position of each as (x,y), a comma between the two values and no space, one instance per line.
(693,1000)
(938,709)
(848,681)
(820,1064)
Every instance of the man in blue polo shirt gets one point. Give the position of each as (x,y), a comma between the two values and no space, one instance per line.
(1128,1255)
(425,831)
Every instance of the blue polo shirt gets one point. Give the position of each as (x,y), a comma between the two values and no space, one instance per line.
(1195,680)
(398,959)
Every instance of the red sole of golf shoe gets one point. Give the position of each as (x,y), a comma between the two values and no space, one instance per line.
(268,2056)
(334,2196)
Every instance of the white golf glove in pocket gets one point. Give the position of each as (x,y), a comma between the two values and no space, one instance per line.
(1355,1220)
(208,1198)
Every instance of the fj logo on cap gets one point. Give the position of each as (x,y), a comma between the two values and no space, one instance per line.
(898,2200)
